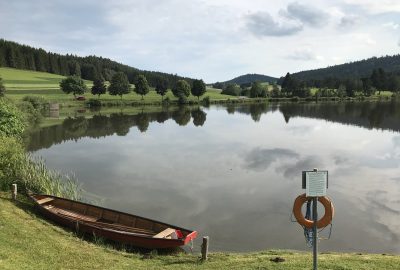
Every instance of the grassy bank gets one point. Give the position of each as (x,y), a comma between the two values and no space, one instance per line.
(17,166)
(29,242)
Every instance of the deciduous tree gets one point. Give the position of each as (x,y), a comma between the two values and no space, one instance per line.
(119,85)
(198,88)
(161,87)
(181,90)
(74,85)
(141,86)
(98,88)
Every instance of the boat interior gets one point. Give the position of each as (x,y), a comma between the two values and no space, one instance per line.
(106,219)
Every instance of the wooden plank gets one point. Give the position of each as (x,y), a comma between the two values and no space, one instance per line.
(92,221)
(45,200)
(204,248)
(164,233)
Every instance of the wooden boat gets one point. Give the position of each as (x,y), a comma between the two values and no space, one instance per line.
(110,224)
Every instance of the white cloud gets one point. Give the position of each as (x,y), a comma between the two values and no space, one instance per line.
(209,39)
(391,25)
(365,38)
(374,6)
(305,54)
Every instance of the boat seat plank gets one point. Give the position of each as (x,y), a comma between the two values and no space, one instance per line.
(93,221)
(164,233)
(73,214)
(45,200)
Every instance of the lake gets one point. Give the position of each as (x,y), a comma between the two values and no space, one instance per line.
(233,172)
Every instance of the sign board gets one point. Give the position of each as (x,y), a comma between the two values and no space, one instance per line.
(316,183)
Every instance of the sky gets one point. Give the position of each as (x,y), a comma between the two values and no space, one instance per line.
(215,40)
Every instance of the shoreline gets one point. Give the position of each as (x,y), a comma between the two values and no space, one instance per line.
(29,241)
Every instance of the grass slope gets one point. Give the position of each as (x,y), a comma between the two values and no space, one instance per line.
(29,242)
(20,83)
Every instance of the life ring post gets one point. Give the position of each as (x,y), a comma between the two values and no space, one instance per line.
(316,184)
(315,233)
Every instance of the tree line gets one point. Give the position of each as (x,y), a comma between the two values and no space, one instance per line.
(352,70)
(19,56)
(378,80)
(120,85)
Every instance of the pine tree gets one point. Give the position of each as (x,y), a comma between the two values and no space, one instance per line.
(2,88)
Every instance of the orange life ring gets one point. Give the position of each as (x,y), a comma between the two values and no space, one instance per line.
(323,222)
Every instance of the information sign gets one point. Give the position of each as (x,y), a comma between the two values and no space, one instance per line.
(316,183)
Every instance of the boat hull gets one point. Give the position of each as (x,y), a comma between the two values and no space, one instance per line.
(121,236)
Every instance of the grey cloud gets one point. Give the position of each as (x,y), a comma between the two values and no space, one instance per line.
(348,21)
(260,159)
(308,15)
(303,55)
(294,170)
(262,24)
(56,25)
(340,160)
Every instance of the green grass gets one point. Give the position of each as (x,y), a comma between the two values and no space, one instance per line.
(29,242)
(20,83)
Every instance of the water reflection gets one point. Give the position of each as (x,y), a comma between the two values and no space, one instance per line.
(232,172)
(379,115)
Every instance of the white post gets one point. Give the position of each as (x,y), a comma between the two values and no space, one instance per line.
(204,248)
(14,191)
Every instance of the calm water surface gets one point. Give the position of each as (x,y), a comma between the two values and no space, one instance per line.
(233,172)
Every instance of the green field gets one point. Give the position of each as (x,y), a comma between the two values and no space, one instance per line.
(29,242)
(20,83)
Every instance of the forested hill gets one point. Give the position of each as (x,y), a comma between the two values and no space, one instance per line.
(358,69)
(19,56)
(250,78)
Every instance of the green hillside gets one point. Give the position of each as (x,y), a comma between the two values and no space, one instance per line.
(20,83)
(250,78)
(356,69)
(15,55)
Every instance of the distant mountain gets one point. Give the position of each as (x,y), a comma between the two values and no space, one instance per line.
(357,69)
(250,78)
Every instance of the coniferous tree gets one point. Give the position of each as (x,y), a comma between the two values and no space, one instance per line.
(2,88)
(91,67)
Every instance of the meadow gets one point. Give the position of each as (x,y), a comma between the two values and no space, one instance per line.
(20,83)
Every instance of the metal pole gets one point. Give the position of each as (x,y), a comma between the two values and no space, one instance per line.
(315,234)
